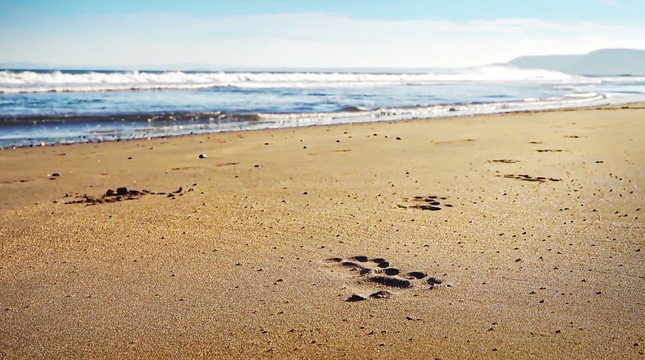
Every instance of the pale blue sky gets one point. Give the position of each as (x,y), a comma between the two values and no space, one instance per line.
(288,33)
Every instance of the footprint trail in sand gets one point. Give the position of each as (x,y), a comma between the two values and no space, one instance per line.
(381,274)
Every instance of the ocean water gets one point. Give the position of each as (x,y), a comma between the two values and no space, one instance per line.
(87,106)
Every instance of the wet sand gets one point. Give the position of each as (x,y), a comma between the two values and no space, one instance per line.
(503,236)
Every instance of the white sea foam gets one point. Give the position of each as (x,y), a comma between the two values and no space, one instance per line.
(582,95)
(423,112)
(57,81)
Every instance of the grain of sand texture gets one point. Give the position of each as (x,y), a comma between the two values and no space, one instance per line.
(503,236)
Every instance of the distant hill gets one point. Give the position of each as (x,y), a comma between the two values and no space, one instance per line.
(600,62)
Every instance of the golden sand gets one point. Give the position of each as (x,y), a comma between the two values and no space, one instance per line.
(525,230)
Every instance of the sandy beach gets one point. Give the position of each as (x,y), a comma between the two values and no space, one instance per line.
(502,236)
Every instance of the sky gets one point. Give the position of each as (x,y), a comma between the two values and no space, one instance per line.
(212,34)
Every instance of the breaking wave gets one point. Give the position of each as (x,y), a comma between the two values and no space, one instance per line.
(75,81)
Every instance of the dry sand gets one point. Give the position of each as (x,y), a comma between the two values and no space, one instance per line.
(528,228)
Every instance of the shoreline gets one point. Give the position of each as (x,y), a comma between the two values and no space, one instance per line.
(515,235)
(165,116)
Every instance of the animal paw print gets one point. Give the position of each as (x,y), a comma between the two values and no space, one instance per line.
(380,272)
(123,193)
(430,203)
(504,161)
(525,177)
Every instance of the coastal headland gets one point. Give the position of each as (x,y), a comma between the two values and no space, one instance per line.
(501,236)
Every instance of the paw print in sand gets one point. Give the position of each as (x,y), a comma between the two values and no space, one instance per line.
(525,177)
(430,203)
(123,193)
(380,273)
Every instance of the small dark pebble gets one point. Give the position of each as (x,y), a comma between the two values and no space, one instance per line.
(202,156)
(360,258)
(433,281)
(383,264)
(122,191)
(378,260)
